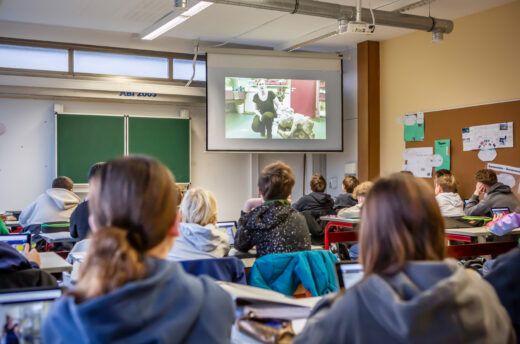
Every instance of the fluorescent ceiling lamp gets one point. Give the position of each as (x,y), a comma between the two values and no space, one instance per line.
(173,19)
(202,5)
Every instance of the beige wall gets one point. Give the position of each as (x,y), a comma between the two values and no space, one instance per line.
(479,62)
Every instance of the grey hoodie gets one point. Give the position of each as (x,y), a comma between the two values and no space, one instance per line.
(451,204)
(498,196)
(427,302)
(52,206)
(199,242)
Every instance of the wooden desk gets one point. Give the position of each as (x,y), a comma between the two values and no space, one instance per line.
(478,234)
(53,263)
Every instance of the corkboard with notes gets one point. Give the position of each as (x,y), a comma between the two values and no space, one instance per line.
(448,124)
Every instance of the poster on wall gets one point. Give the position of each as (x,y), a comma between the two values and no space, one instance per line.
(419,161)
(488,137)
(508,175)
(442,149)
(413,127)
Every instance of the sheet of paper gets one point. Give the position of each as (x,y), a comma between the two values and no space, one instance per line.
(413,127)
(489,136)
(419,161)
(442,149)
(508,175)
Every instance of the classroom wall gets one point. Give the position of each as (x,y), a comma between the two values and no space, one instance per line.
(477,63)
(27,152)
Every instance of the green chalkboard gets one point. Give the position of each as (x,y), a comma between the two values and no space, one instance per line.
(82,140)
(166,139)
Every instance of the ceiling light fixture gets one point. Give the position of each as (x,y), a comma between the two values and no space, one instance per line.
(173,19)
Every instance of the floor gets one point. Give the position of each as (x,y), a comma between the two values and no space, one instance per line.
(238,126)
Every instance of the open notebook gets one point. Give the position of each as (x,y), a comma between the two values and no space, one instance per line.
(268,304)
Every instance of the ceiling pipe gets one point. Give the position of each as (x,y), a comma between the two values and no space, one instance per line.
(336,11)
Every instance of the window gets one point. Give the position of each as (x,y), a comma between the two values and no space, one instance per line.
(183,69)
(119,64)
(23,57)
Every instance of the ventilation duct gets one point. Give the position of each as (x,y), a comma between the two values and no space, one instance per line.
(336,11)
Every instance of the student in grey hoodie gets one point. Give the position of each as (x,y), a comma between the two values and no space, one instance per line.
(450,203)
(409,293)
(489,194)
(55,204)
(127,291)
(199,237)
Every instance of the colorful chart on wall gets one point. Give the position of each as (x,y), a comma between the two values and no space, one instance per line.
(442,150)
(413,127)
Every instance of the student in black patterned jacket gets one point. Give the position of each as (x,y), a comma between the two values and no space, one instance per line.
(269,222)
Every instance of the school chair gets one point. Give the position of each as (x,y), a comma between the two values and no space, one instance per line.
(285,272)
(227,269)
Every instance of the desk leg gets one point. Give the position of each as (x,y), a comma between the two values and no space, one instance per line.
(326,240)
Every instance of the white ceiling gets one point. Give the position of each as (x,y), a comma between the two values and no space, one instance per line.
(220,23)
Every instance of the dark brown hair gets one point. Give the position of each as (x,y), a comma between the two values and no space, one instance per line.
(447,183)
(401,221)
(442,172)
(350,183)
(94,169)
(133,203)
(486,177)
(318,183)
(63,182)
(276,181)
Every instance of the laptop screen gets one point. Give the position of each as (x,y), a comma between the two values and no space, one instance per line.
(230,227)
(348,274)
(17,241)
(22,313)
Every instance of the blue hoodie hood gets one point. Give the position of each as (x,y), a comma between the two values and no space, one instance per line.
(169,306)
(11,260)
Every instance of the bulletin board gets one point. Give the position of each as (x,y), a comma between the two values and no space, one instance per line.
(448,124)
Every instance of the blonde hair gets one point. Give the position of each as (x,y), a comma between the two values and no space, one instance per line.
(362,189)
(447,183)
(199,206)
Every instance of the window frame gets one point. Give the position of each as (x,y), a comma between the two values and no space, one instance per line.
(71,47)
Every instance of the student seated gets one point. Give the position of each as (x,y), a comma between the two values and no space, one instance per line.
(199,237)
(19,271)
(450,203)
(79,226)
(317,201)
(505,278)
(346,200)
(409,292)
(489,194)
(360,193)
(127,291)
(269,222)
(54,205)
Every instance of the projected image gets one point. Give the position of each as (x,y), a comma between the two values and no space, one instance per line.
(257,108)
(21,323)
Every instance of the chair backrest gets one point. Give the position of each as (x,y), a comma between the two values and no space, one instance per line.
(283,272)
(54,227)
(228,269)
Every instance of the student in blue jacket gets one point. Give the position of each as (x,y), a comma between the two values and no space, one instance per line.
(127,291)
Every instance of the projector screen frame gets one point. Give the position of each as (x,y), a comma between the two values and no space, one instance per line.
(274,53)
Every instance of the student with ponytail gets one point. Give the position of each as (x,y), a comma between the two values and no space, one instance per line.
(127,291)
